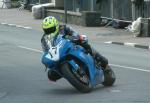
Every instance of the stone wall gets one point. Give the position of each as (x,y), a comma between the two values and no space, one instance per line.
(72,17)
(85,18)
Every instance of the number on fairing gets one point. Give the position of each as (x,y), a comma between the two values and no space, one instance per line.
(53,54)
(53,51)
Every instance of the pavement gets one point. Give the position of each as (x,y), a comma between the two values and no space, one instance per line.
(24,19)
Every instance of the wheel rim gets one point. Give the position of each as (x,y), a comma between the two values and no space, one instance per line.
(82,76)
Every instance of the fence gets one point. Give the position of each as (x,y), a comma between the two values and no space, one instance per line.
(5,3)
(117,9)
(143,10)
(122,9)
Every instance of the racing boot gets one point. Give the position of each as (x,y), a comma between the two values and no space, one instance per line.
(53,76)
(101,61)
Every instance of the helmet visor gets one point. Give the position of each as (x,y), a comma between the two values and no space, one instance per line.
(50,30)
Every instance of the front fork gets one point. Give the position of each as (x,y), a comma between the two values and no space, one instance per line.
(75,66)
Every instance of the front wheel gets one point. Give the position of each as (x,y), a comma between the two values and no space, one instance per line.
(109,77)
(79,81)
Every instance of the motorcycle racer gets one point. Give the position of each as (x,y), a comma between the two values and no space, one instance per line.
(52,29)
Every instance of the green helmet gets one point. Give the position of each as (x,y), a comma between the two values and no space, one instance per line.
(50,26)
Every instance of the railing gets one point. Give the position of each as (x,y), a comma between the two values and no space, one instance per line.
(122,9)
(5,4)
(143,10)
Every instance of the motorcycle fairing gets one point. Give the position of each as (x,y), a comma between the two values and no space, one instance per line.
(96,74)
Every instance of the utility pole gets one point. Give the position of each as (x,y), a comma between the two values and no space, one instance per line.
(133,10)
(65,7)
(112,12)
(112,9)
(39,1)
(91,5)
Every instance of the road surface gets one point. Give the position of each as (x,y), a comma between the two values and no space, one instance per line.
(23,79)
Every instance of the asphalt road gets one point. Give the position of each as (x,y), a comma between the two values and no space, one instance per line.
(23,79)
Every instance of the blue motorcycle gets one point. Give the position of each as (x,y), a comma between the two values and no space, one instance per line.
(72,62)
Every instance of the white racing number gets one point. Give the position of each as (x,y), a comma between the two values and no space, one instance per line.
(54,52)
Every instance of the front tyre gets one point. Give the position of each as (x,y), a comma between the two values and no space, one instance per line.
(109,77)
(80,83)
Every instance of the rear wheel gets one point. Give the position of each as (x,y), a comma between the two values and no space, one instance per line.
(109,77)
(79,79)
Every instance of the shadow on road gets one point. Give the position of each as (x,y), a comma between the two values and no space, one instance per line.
(72,91)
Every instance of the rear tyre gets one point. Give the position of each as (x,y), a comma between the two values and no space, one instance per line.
(81,83)
(109,77)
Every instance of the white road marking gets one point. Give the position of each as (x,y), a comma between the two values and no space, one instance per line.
(130,44)
(15,25)
(11,24)
(115,91)
(19,26)
(108,42)
(3,23)
(115,65)
(31,49)
(27,27)
(132,68)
